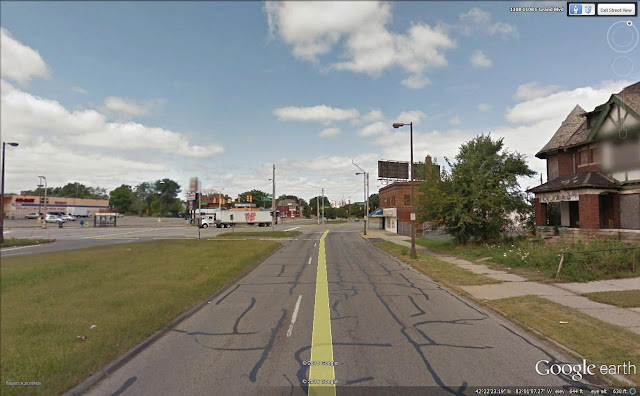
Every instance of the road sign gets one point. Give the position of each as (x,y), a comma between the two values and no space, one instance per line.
(266,199)
(360,203)
(191,196)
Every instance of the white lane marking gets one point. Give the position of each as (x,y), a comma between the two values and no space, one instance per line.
(315,244)
(309,260)
(290,229)
(294,316)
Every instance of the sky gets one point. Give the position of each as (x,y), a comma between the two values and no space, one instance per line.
(111,93)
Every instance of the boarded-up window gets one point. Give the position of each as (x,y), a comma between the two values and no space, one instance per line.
(407,200)
(584,157)
(596,155)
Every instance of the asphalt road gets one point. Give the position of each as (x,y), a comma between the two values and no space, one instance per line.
(387,329)
(73,236)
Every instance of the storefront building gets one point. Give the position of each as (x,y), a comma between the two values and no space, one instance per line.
(19,206)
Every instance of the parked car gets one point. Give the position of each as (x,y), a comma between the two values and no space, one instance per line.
(33,215)
(54,219)
(119,215)
(69,217)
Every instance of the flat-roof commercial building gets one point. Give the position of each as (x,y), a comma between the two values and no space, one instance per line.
(19,206)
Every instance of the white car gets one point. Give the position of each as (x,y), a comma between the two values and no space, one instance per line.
(69,217)
(54,219)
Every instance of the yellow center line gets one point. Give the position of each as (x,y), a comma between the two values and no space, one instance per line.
(321,373)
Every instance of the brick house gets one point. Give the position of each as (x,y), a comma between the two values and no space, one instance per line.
(289,208)
(593,171)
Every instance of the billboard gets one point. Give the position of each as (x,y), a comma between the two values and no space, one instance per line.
(193,184)
(191,196)
(393,170)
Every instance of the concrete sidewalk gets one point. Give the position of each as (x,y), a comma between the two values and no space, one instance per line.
(567,294)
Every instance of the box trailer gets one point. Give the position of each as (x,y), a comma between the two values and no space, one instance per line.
(78,211)
(227,218)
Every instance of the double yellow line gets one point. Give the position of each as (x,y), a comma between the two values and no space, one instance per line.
(321,371)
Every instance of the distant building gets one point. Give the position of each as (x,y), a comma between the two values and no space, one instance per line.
(18,206)
(289,208)
(395,204)
(593,171)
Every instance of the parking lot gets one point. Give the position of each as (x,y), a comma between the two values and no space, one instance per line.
(129,229)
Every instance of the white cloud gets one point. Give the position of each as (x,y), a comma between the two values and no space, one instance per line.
(455,121)
(373,115)
(332,164)
(376,128)
(414,116)
(415,81)
(534,90)
(480,59)
(314,28)
(323,114)
(477,20)
(126,108)
(557,106)
(24,114)
(80,90)
(329,132)
(19,62)
(484,107)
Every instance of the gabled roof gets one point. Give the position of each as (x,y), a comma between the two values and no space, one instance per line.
(630,96)
(572,124)
(580,180)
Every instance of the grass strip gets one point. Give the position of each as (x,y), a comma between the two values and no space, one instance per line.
(622,299)
(441,271)
(129,291)
(263,234)
(599,342)
(12,242)
(538,261)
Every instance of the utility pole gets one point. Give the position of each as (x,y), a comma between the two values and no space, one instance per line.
(366,218)
(413,253)
(322,205)
(318,209)
(273,200)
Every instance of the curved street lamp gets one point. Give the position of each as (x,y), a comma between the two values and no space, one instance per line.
(413,214)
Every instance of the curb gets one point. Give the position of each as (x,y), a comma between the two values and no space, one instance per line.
(113,366)
(461,293)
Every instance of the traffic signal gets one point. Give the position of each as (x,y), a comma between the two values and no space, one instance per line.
(250,198)
(247,198)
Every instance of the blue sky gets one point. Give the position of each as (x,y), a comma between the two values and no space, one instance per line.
(110,93)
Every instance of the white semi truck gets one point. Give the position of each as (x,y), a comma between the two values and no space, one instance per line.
(230,217)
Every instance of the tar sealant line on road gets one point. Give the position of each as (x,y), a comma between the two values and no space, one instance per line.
(294,316)
(321,372)
(309,260)
(18,247)
(117,233)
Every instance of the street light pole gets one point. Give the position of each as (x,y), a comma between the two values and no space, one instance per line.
(365,204)
(2,192)
(322,205)
(44,214)
(413,214)
(273,200)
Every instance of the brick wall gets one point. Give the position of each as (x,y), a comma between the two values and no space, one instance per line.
(589,208)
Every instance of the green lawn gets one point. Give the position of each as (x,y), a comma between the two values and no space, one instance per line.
(128,291)
(263,234)
(441,271)
(599,342)
(13,242)
(623,299)
(537,261)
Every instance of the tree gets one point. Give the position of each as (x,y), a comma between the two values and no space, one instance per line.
(313,204)
(256,198)
(144,196)
(476,196)
(374,202)
(166,193)
(122,199)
